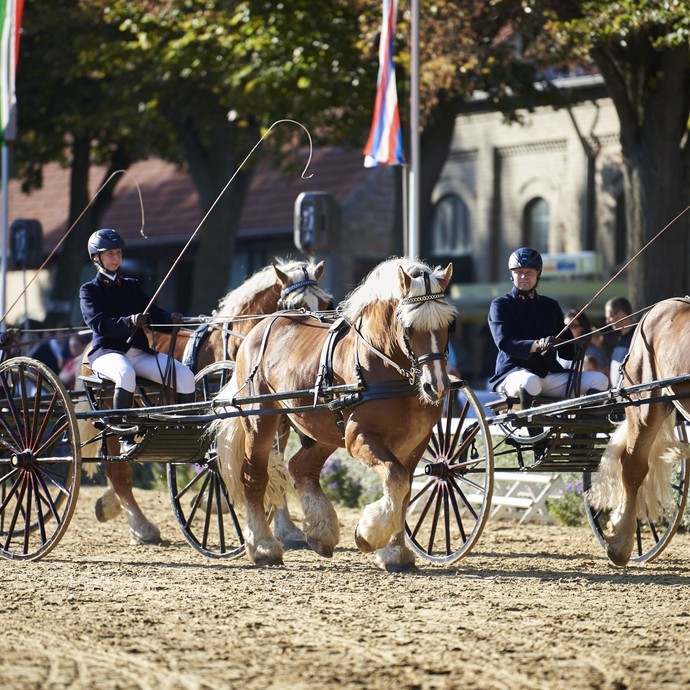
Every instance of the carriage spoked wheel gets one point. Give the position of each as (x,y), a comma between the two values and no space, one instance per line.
(40,459)
(202,508)
(453,483)
(651,537)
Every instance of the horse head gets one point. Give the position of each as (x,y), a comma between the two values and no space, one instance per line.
(424,319)
(299,286)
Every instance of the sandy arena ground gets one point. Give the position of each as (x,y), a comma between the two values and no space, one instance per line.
(533,607)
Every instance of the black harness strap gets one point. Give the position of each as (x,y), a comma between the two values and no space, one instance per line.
(302,285)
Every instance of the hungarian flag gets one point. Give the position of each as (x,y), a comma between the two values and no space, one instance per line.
(385,145)
(10,21)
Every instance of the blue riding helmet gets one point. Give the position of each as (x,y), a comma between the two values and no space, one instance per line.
(104,239)
(526,257)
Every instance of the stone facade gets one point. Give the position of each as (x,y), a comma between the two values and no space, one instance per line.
(499,170)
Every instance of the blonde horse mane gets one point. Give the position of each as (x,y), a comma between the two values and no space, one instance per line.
(378,298)
(237,301)
(656,498)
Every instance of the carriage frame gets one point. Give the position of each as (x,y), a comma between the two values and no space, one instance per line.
(42,456)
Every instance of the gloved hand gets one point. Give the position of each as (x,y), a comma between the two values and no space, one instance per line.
(139,320)
(545,344)
(8,337)
(176,317)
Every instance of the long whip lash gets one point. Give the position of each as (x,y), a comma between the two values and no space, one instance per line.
(213,205)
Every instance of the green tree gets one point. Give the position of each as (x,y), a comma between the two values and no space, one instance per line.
(71,88)
(641,50)
(220,74)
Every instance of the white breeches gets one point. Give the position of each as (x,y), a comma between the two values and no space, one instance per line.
(124,368)
(552,385)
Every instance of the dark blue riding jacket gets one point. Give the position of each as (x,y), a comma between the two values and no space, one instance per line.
(516,321)
(106,306)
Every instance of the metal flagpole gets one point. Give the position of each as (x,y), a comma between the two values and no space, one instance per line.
(3,240)
(413,173)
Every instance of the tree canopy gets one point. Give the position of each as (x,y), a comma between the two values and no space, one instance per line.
(199,82)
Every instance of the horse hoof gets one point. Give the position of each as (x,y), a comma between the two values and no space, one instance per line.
(617,558)
(394,568)
(107,507)
(362,544)
(268,560)
(148,535)
(295,545)
(320,548)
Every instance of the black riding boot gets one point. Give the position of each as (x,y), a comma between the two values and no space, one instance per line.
(527,401)
(123,399)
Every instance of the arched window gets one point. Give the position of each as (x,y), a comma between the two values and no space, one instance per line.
(450,227)
(536,224)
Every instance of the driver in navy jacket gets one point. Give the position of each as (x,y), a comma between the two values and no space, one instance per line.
(114,307)
(524,326)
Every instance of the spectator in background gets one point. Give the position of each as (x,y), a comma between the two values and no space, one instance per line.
(618,312)
(581,327)
(71,368)
(48,351)
(591,363)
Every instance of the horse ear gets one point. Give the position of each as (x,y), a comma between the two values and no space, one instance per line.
(448,275)
(284,280)
(318,271)
(405,281)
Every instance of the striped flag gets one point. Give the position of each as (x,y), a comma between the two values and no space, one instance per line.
(10,22)
(385,146)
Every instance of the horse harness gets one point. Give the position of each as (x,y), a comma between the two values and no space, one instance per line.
(201,333)
(302,285)
(372,391)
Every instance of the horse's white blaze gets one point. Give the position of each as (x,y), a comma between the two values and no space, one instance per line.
(438,369)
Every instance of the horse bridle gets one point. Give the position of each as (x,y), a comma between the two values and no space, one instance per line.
(415,362)
(301,285)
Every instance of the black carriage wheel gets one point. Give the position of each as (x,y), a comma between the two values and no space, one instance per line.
(200,501)
(651,538)
(40,459)
(453,483)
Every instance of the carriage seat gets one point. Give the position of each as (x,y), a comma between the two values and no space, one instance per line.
(96,380)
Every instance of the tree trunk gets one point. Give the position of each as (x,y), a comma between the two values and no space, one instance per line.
(653,112)
(435,145)
(222,188)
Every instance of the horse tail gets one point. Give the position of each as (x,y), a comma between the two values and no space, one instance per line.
(230,438)
(655,497)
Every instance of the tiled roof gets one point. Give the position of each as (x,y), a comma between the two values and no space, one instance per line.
(169,199)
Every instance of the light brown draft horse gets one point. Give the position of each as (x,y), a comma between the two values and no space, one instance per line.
(394,343)
(285,284)
(634,478)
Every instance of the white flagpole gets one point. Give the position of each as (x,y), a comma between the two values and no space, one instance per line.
(413,172)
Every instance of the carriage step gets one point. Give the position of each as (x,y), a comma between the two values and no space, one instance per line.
(572,452)
(170,444)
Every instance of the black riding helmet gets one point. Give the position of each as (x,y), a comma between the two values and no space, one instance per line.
(102,240)
(525,257)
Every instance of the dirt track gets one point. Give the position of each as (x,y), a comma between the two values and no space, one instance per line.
(532,607)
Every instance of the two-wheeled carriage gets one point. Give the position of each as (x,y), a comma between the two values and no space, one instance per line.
(42,453)
(42,457)
(453,486)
